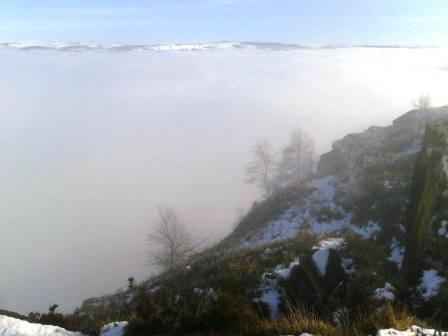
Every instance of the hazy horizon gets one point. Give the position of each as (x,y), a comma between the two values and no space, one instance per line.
(92,142)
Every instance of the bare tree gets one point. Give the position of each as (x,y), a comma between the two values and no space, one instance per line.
(298,159)
(131,282)
(52,308)
(171,243)
(423,102)
(261,170)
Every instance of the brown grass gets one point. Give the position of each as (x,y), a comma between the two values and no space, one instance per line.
(301,320)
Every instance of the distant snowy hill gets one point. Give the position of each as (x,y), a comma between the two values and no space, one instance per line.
(86,46)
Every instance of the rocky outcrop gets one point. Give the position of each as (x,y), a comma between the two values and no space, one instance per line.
(379,144)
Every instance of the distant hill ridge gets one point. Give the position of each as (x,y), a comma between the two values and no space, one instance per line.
(88,46)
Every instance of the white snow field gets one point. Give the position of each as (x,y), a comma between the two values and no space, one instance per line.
(10,326)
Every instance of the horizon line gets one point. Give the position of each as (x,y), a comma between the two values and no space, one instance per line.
(192,46)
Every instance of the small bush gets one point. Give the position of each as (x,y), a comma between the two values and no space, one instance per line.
(229,314)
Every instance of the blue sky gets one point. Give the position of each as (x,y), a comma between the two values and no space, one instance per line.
(163,21)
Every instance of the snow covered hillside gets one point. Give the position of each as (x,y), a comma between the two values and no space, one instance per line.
(306,216)
(362,186)
(339,244)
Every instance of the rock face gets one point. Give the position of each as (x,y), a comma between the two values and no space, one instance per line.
(427,217)
(379,144)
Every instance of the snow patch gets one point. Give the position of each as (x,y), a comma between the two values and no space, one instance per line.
(269,293)
(443,230)
(325,187)
(320,257)
(317,213)
(366,231)
(10,326)
(349,266)
(114,329)
(415,146)
(387,293)
(430,284)
(413,331)
(337,317)
(284,272)
(154,289)
(204,292)
(272,298)
(396,252)
(445,165)
(331,244)
(402,228)
(268,288)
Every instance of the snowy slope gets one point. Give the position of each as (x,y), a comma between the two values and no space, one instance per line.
(113,329)
(14,327)
(293,219)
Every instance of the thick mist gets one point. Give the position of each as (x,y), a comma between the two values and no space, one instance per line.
(91,142)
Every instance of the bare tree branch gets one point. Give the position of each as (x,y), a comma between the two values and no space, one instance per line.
(298,159)
(171,243)
(261,170)
(423,102)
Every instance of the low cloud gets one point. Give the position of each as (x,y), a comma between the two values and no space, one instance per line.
(93,141)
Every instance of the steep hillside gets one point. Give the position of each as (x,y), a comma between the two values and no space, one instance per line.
(361,185)
(334,245)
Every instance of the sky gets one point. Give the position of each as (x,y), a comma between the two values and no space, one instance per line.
(92,142)
(404,22)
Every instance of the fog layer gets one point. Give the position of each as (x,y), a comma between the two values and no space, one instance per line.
(91,142)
